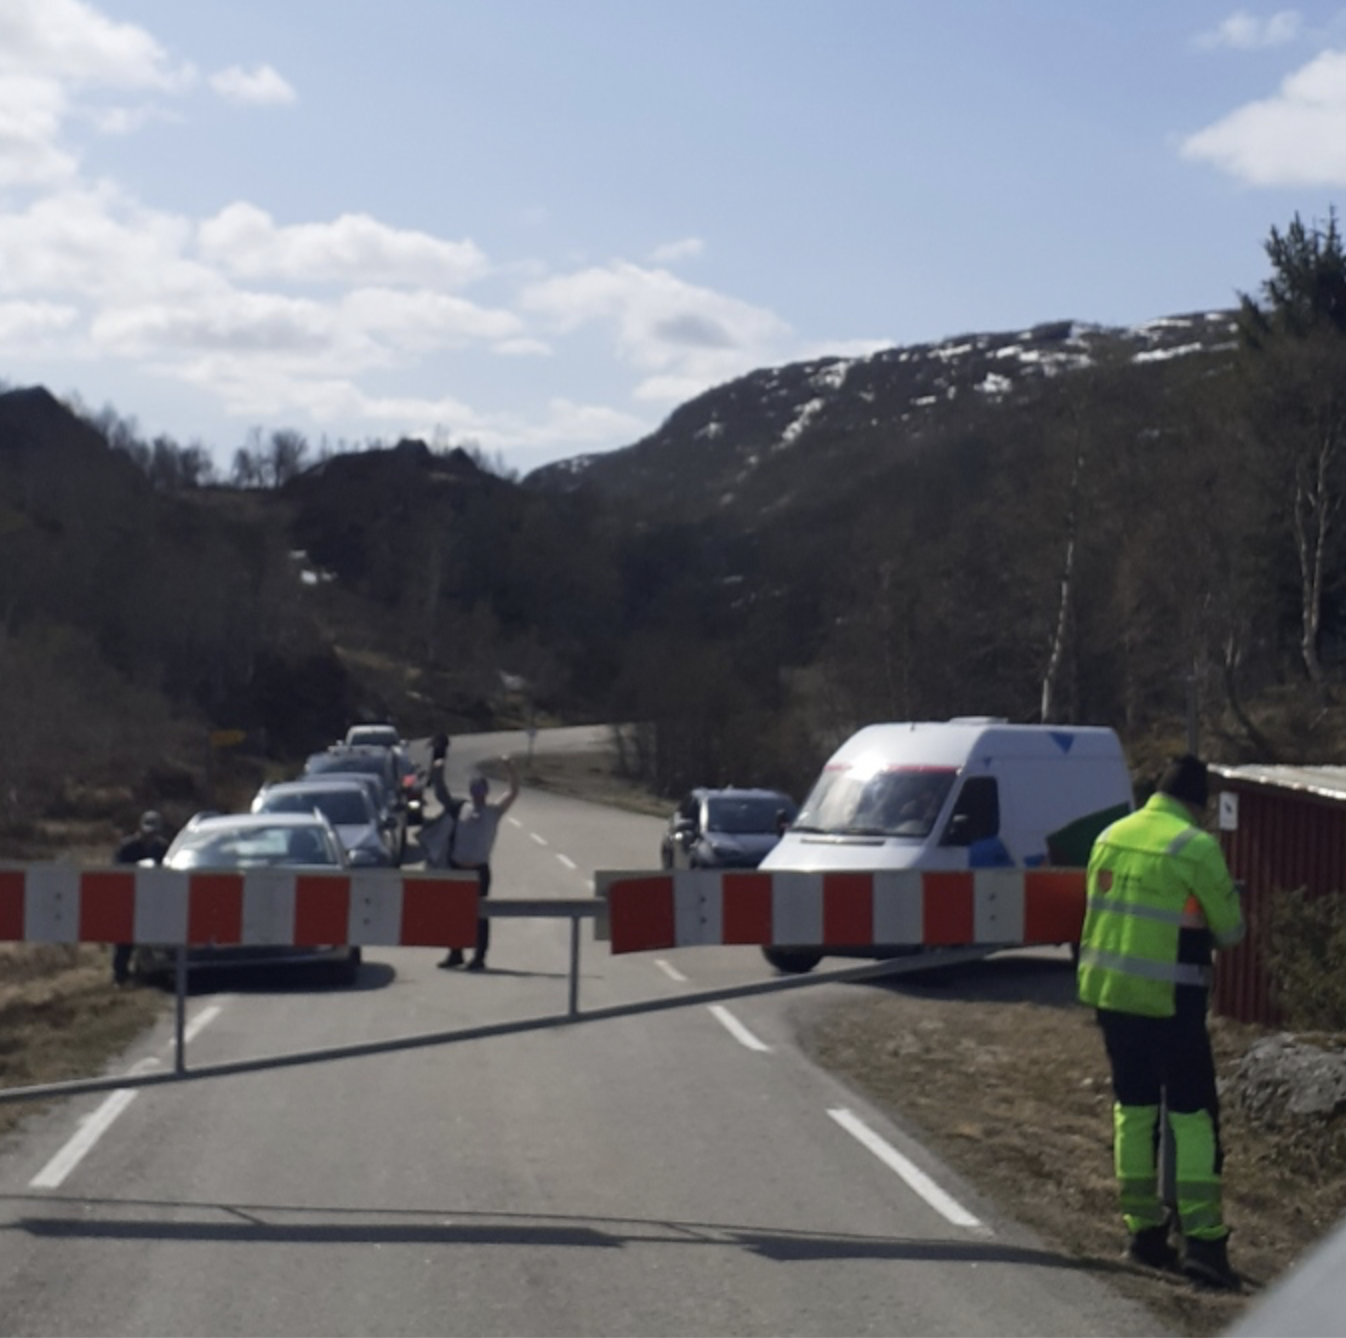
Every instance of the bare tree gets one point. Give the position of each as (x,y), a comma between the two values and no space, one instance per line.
(285,456)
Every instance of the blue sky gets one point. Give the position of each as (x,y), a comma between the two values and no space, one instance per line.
(538,226)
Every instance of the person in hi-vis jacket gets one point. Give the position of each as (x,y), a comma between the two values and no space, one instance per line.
(1159,900)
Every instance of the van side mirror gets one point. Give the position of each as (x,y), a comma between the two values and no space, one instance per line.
(958,832)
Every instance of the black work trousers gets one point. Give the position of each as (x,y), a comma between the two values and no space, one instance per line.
(483,872)
(1165,1057)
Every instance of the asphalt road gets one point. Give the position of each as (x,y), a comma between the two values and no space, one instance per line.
(686,1172)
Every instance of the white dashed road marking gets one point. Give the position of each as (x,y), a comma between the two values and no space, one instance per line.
(670,970)
(737,1030)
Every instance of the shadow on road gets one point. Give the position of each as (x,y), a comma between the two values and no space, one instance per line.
(308,978)
(1043,977)
(271,1224)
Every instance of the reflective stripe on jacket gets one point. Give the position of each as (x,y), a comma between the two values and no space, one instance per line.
(1158,893)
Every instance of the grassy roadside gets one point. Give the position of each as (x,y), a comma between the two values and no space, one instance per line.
(62,1018)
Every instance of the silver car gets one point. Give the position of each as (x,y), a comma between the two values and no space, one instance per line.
(346,803)
(249,841)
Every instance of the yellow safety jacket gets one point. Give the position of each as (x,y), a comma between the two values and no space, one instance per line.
(1158,893)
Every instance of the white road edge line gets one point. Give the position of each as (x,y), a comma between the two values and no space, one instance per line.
(200,1022)
(670,970)
(567,861)
(737,1030)
(944,1204)
(94,1126)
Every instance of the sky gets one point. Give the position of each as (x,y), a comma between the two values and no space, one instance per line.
(536,227)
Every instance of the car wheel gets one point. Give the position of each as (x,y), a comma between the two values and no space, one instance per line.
(793,961)
(348,972)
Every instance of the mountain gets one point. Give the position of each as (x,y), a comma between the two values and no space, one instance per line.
(778,437)
(990,524)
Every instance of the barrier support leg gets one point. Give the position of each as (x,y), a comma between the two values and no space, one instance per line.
(574,965)
(180,1045)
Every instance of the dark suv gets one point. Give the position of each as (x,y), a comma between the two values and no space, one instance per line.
(725,829)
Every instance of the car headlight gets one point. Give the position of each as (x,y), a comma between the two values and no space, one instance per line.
(362,855)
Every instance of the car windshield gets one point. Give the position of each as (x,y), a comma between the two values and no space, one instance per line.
(250,847)
(739,816)
(384,736)
(858,801)
(344,808)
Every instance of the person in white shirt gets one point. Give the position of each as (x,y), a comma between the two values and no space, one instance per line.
(473,840)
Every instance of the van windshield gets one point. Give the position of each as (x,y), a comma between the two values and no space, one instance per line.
(902,802)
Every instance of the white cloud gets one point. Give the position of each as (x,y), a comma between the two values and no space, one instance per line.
(68,40)
(671,252)
(1297,138)
(241,323)
(31,112)
(261,87)
(523,347)
(127,120)
(246,241)
(54,54)
(426,320)
(25,326)
(677,332)
(1247,32)
(93,245)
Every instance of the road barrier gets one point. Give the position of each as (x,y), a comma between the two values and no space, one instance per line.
(275,906)
(957,916)
(901,907)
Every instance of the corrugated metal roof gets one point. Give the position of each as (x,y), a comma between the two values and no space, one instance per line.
(1323,780)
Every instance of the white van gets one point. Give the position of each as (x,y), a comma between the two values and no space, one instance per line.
(973,792)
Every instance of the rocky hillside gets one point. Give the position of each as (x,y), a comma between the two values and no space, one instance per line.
(782,436)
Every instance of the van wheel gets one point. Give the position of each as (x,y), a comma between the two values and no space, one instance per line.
(793,961)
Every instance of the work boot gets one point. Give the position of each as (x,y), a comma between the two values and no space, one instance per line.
(477,964)
(1206,1262)
(455,958)
(1150,1246)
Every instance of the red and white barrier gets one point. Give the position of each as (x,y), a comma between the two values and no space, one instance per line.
(987,907)
(63,903)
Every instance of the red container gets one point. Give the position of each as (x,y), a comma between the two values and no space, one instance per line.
(1281,828)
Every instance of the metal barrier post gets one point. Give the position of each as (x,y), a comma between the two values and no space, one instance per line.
(574,964)
(180,1046)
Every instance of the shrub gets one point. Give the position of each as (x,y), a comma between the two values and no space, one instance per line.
(1305,959)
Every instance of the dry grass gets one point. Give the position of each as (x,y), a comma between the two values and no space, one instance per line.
(62,1018)
(998,1070)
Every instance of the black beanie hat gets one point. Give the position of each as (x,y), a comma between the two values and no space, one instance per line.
(1185,778)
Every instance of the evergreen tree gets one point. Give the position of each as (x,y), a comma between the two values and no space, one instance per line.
(1295,343)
